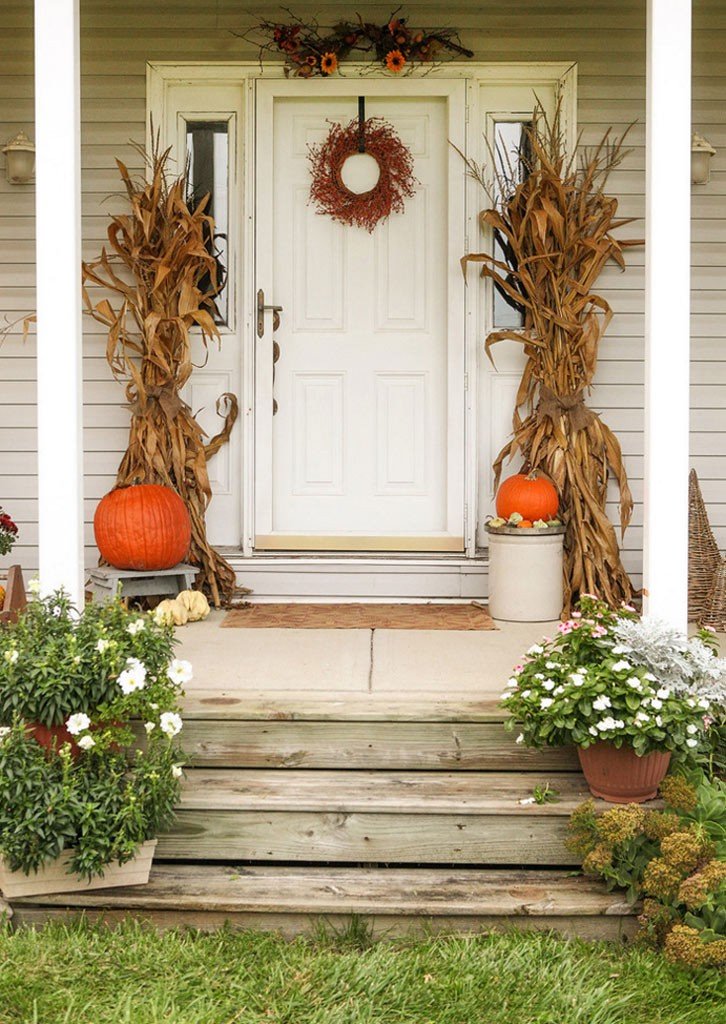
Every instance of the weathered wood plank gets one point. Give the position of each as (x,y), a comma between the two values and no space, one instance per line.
(290,925)
(223,704)
(290,836)
(384,891)
(393,746)
(392,793)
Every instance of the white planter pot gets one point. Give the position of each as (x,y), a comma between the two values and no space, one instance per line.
(525,575)
(53,877)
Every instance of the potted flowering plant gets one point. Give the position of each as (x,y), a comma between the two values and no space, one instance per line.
(627,692)
(89,760)
(8,532)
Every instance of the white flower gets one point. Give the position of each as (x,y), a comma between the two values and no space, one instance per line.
(691,729)
(691,743)
(149,726)
(133,677)
(592,730)
(34,586)
(621,666)
(78,723)
(601,703)
(180,672)
(606,724)
(170,723)
(11,656)
(619,724)
(546,702)
(177,771)
(86,742)
(578,678)
(664,693)
(551,664)
(650,677)
(658,721)
(511,682)
(558,690)
(548,685)
(4,730)
(135,627)
(635,683)
(526,693)
(642,717)
(539,675)
(102,645)
(704,703)
(535,649)
(657,704)
(520,738)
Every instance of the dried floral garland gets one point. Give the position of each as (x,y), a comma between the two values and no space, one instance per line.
(378,139)
(164,274)
(555,227)
(311,49)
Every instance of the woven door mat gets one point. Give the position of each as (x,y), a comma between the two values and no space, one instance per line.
(359,616)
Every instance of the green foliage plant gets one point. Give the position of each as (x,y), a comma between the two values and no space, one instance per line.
(107,682)
(673,859)
(578,688)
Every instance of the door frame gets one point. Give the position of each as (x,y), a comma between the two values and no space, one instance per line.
(161,76)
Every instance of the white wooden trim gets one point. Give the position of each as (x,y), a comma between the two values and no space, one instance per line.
(667,309)
(560,75)
(58,303)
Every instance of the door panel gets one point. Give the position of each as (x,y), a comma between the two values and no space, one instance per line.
(366,449)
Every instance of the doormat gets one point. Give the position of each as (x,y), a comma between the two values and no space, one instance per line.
(359,616)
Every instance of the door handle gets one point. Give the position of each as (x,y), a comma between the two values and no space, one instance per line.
(261,310)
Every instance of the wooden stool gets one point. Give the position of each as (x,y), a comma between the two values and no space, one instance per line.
(15,599)
(105,582)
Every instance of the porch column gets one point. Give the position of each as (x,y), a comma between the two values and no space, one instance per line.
(667,309)
(58,303)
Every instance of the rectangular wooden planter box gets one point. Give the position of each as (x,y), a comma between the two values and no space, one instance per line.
(54,876)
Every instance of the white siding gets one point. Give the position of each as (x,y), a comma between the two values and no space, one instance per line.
(607,40)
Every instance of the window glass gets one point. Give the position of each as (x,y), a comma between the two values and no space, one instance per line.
(510,142)
(208,154)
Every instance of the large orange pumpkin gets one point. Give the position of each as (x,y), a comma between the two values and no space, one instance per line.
(530,494)
(143,527)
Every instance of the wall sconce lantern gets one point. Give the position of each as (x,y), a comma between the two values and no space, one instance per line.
(19,159)
(701,153)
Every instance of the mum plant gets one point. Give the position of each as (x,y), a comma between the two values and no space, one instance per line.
(674,860)
(89,756)
(8,533)
(593,687)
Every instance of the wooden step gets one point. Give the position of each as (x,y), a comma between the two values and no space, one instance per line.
(392,901)
(395,746)
(371,817)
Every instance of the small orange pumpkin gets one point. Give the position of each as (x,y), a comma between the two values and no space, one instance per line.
(143,527)
(526,524)
(530,494)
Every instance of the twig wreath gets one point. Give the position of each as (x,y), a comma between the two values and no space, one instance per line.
(396,182)
(311,49)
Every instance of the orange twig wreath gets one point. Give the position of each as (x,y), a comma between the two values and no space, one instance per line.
(396,182)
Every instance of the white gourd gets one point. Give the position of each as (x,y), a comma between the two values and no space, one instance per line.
(196,604)
(171,613)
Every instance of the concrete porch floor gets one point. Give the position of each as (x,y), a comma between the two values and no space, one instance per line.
(360,665)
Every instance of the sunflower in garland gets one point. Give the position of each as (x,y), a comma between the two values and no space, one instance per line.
(395,61)
(328,63)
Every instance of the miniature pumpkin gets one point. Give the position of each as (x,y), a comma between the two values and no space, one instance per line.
(142,527)
(2,596)
(171,613)
(524,524)
(530,494)
(196,604)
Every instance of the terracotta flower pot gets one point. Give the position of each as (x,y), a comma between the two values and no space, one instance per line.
(52,737)
(620,776)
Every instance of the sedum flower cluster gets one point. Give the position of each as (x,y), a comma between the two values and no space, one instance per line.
(674,859)
(89,720)
(581,687)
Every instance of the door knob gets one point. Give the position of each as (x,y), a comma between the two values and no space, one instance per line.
(261,310)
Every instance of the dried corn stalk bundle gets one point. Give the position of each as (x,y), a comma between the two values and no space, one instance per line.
(163,271)
(554,225)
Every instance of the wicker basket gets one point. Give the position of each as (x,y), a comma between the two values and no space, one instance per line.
(704,557)
(714,614)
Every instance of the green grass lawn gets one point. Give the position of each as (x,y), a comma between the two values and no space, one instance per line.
(89,975)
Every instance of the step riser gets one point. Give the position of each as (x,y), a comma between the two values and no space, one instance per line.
(612,929)
(394,746)
(372,838)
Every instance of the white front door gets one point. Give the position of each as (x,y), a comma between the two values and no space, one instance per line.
(366,449)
